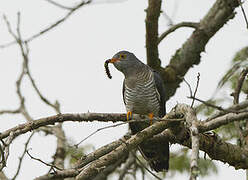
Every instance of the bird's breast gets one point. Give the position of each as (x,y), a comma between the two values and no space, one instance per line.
(142,98)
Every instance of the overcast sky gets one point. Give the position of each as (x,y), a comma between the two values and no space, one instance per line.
(67,65)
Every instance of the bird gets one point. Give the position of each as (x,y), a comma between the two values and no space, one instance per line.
(143,93)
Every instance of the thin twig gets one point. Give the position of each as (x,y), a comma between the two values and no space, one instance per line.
(190,90)
(10,111)
(243,11)
(18,40)
(58,22)
(100,129)
(175,27)
(22,156)
(144,166)
(59,5)
(239,86)
(119,124)
(196,88)
(47,164)
(211,105)
(110,126)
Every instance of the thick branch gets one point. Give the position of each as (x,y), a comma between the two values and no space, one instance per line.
(189,54)
(211,144)
(153,12)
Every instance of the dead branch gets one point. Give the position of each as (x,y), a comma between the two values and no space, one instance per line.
(59,5)
(239,86)
(114,117)
(51,120)
(212,144)
(100,152)
(243,12)
(97,166)
(22,156)
(196,88)
(237,108)
(140,163)
(55,24)
(5,150)
(47,164)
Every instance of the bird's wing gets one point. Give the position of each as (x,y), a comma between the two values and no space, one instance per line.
(160,88)
(123,92)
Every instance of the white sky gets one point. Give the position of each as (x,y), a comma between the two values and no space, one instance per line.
(67,65)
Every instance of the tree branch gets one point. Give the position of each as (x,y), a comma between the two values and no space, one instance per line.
(55,24)
(178,133)
(189,54)
(22,156)
(51,120)
(211,144)
(97,166)
(175,27)
(152,15)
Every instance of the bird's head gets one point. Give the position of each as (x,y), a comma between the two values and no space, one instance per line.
(125,61)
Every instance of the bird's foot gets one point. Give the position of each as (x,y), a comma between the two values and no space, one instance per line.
(129,115)
(151,115)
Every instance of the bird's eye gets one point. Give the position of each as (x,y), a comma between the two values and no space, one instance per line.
(123,56)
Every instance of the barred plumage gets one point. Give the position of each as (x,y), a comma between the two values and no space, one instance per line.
(140,94)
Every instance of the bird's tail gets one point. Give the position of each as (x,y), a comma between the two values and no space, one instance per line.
(155,152)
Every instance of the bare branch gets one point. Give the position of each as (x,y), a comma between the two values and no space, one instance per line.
(222,120)
(10,111)
(177,26)
(210,105)
(58,22)
(189,87)
(97,166)
(100,152)
(196,88)
(237,108)
(59,5)
(59,175)
(193,122)
(47,164)
(212,144)
(5,150)
(243,11)
(239,86)
(100,129)
(143,166)
(51,120)
(22,156)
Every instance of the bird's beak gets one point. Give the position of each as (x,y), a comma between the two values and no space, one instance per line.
(113,60)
